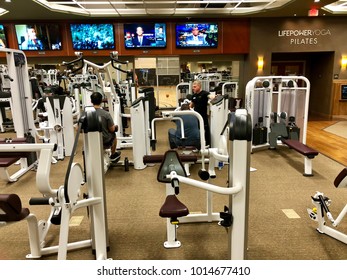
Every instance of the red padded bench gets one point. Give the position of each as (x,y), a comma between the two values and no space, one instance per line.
(306,151)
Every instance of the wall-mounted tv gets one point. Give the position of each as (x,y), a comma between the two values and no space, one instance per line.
(344,92)
(38,37)
(196,35)
(3,41)
(92,36)
(144,35)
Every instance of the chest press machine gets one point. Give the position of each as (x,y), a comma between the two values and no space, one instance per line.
(234,217)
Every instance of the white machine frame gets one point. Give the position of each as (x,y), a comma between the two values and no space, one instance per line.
(67,198)
(321,204)
(237,190)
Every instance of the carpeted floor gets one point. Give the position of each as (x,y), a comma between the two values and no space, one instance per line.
(339,129)
(136,232)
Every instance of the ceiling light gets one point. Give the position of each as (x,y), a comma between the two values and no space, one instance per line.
(3,11)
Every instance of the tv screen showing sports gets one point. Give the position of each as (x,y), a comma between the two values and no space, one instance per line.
(3,41)
(196,35)
(145,35)
(94,36)
(38,37)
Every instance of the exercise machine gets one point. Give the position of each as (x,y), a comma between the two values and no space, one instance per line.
(175,115)
(20,99)
(58,124)
(321,211)
(234,217)
(270,100)
(65,200)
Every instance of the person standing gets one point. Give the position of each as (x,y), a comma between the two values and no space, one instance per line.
(199,103)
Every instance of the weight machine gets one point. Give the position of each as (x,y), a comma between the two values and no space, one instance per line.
(65,200)
(269,96)
(322,203)
(234,216)
(174,115)
(20,100)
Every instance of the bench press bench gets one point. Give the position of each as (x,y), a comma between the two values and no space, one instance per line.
(306,151)
(9,158)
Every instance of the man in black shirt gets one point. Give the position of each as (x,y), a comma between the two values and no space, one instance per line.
(200,103)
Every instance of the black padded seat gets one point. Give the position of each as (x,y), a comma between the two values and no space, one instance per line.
(173,208)
(11,205)
(341,179)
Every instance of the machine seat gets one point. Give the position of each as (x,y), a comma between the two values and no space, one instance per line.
(173,208)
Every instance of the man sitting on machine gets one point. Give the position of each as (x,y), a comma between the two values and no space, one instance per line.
(109,129)
(191,131)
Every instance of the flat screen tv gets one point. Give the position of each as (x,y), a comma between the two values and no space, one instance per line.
(344,92)
(144,35)
(196,35)
(3,41)
(92,36)
(38,37)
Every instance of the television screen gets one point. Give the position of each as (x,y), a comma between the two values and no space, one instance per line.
(38,37)
(3,41)
(196,35)
(94,36)
(344,92)
(145,35)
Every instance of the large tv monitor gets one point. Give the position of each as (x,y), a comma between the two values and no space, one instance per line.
(144,35)
(196,35)
(38,37)
(92,36)
(3,41)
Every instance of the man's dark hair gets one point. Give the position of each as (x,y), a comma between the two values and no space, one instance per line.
(185,106)
(96,98)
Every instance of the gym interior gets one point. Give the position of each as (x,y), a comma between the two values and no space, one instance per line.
(270,185)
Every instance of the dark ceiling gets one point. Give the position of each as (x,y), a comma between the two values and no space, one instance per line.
(28,10)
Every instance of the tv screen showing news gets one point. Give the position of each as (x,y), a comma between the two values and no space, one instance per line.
(145,35)
(97,36)
(196,35)
(38,37)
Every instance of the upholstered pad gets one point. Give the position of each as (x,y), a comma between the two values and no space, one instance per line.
(300,147)
(173,208)
(341,179)
(11,208)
